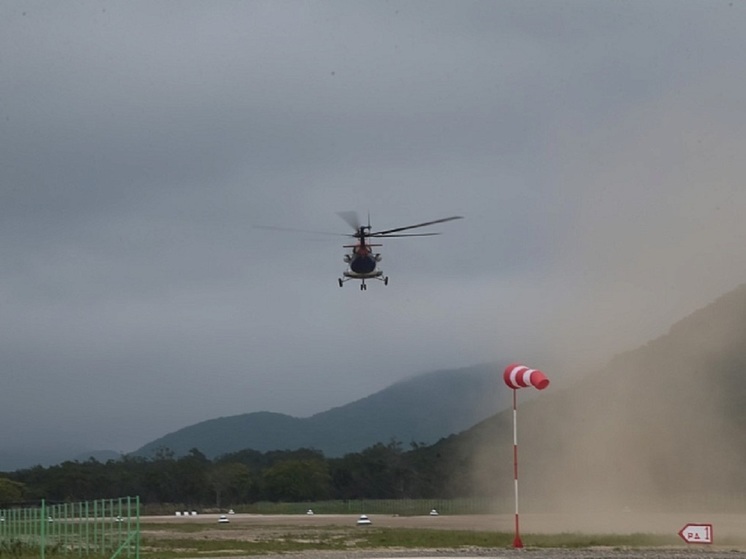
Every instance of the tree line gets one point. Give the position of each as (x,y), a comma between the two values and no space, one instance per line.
(382,471)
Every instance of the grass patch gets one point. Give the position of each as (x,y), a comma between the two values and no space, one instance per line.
(17,549)
(290,539)
(179,528)
(424,538)
(205,548)
(574,540)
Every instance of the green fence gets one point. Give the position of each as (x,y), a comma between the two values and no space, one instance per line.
(104,528)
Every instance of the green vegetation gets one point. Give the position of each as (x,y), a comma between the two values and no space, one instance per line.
(398,507)
(381,472)
(17,549)
(576,540)
(186,547)
(10,491)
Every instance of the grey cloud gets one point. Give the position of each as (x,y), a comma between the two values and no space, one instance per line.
(592,146)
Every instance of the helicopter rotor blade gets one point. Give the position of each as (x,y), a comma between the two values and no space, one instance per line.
(404,235)
(388,232)
(293,230)
(352,219)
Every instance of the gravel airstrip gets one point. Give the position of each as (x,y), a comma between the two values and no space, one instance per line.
(729,533)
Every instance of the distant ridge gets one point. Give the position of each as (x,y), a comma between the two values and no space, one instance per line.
(421,409)
(12,459)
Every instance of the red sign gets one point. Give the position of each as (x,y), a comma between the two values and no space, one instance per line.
(696,533)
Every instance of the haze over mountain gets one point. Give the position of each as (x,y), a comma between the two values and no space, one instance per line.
(421,409)
(659,427)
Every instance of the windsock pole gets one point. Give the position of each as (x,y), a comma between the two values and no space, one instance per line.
(517,543)
(519,376)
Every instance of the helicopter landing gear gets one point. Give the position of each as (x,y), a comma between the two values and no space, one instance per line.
(363,285)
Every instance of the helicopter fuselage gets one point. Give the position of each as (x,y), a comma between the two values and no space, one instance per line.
(363,263)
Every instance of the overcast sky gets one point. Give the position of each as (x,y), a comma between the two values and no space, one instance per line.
(595,149)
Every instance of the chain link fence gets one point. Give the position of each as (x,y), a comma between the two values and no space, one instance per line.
(107,528)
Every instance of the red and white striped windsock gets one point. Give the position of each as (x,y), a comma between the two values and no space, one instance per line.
(519,376)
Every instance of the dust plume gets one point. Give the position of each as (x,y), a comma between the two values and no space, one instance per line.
(657,427)
(655,199)
(657,430)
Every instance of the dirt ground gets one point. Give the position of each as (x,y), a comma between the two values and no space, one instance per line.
(730,529)
(729,526)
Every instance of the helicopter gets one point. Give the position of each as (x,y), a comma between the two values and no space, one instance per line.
(362,260)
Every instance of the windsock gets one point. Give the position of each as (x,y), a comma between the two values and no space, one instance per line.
(519,376)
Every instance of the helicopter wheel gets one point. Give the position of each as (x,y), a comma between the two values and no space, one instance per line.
(363,287)
(386,280)
(340,281)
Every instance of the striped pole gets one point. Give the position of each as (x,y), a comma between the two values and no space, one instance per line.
(519,376)
(517,543)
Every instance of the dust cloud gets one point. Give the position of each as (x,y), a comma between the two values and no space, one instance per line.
(659,429)
(654,228)
(657,234)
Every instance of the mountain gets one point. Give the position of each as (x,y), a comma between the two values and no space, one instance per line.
(660,427)
(49,454)
(421,409)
